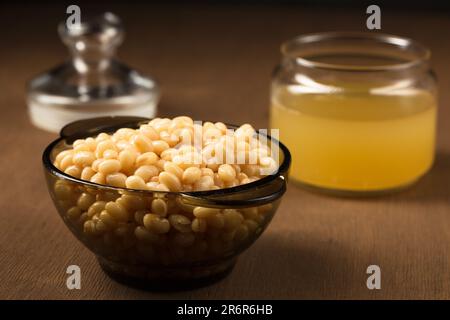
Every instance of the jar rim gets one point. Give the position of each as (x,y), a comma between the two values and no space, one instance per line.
(419,53)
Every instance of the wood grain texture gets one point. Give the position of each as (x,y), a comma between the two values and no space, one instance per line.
(215,63)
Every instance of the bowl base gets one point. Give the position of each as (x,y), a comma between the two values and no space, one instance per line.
(167,278)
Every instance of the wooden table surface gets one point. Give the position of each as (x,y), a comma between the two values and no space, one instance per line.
(215,63)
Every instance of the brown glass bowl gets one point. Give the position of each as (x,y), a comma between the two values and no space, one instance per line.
(176,259)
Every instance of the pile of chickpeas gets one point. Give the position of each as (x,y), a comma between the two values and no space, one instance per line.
(159,227)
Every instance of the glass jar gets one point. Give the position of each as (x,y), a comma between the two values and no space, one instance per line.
(357,110)
(92,83)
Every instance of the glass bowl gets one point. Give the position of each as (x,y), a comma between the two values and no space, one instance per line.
(235,217)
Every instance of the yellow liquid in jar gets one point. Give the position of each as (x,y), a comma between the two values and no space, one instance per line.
(356,141)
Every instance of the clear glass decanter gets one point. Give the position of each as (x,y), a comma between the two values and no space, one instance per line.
(92,83)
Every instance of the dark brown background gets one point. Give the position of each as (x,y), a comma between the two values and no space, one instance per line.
(215,62)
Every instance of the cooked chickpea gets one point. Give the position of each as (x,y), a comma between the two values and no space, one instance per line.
(103,146)
(87,173)
(135,182)
(147,158)
(191,175)
(66,162)
(96,208)
(204,213)
(199,225)
(170,180)
(159,207)
(232,219)
(110,154)
(142,143)
(159,146)
(117,211)
(227,173)
(73,171)
(174,169)
(116,179)
(146,172)
(109,166)
(85,201)
(83,158)
(180,222)
(127,158)
(98,178)
(155,223)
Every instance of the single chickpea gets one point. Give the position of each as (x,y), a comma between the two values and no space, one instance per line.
(180,222)
(159,146)
(110,154)
(205,183)
(83,158)
(109,166)
(124,133)
(204,212)
(227,173)
(98,178)
(170,180)
(168,154)
(174,169)
(147,158)
(159,207)
(66,162)
(73,171)
(183,121)
(85,201)
(87,173)
(135,182)
(102,137)
(116,179)
(117,211)
(191,175)
(146,172)
(73,213)
(127,159)
(142,143)
(156,224)
(149,132)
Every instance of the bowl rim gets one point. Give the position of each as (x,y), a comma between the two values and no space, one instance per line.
(280,173)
